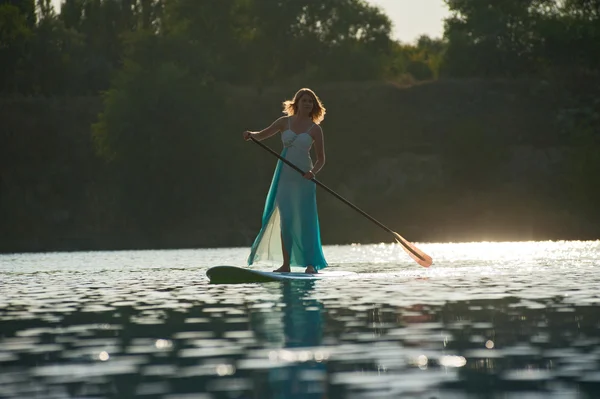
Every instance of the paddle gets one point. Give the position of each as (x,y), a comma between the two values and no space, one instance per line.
(419,256)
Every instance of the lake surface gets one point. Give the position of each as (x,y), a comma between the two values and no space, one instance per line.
(487,320)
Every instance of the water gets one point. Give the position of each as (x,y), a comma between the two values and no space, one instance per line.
(487,320)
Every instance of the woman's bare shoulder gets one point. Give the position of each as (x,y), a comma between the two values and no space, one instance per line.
(281,122)
(316,132)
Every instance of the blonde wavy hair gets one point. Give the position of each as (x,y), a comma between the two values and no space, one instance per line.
(290,107)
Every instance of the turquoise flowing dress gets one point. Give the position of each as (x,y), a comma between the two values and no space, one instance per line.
(290,213)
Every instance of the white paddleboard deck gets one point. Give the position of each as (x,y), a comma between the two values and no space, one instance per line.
(236,275)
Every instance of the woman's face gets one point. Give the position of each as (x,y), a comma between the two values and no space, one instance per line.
(305,103)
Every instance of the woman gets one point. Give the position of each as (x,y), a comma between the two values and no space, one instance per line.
(290,224)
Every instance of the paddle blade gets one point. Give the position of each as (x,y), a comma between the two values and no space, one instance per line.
(419,256)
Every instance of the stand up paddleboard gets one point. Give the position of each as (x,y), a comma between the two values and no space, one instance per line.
(236,275)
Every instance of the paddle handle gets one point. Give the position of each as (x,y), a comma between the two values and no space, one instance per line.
(421,258)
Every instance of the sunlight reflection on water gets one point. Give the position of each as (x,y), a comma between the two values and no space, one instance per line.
(510,319)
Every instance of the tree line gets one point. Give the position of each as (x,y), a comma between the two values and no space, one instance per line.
(165,70)
(78,49)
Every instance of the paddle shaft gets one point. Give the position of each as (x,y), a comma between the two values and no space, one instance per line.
(344,200)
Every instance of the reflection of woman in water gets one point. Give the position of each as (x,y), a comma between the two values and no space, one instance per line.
(290,223)
(303,324)
(302,328)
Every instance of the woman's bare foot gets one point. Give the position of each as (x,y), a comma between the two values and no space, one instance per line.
(283,269)
(311,270)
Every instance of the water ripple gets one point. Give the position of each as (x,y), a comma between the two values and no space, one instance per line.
(486,320)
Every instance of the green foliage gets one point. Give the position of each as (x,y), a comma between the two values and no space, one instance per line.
(158,132)
(258,42)
(26,9)
(280,41)
(495,38)
(421,61)
(14,41)
(58,52)
(419,70)
(252,42)
(581,124)
(521,37)
(471,156)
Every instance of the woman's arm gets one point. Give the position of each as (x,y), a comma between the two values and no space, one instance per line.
(320,152)
(274,128)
